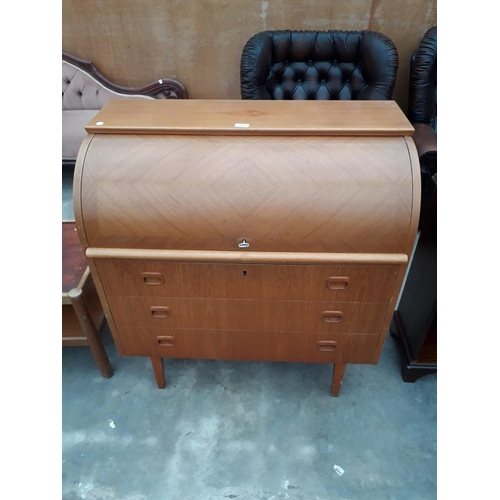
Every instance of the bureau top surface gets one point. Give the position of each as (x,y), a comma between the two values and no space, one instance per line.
(245,117)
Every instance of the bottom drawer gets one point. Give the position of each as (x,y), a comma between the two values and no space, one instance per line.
(249,345)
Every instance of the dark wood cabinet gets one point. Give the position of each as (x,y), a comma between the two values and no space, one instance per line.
(414,323)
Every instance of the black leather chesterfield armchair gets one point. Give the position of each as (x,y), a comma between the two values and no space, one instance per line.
(422,110)
(318,65)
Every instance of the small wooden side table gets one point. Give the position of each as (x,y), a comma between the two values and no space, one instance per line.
(83,318)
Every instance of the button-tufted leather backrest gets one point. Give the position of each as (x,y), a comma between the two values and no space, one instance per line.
(422,105)
(342,65)
(81,91)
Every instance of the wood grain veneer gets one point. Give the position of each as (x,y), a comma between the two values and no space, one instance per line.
(290,316)
(214,117)
(287,240)
(249,345)
(247,281)
(247,257)
(281,194)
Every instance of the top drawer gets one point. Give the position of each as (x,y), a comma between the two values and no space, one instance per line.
(247,281)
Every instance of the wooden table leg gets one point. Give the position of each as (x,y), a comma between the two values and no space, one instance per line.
(338,375)
(157,363)
(90,331)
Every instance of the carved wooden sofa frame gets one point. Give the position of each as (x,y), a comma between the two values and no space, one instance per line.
(85,91)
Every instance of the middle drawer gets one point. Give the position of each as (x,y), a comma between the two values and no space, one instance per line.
(225,314)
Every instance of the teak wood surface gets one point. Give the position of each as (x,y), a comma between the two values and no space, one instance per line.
(214,117)
(198,256)
(247,281)
(280,194)
(325,197)
(224,314)
(307,347)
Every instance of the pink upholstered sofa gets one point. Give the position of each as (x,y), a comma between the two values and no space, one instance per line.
(84,93)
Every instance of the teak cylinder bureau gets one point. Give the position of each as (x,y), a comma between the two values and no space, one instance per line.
(248,230)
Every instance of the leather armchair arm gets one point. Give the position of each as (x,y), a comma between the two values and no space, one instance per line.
(425,139)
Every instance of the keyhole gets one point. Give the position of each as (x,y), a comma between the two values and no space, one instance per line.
(244,273)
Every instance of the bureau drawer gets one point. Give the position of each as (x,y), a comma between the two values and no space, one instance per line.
(249,345)
(248,281)
(275,315)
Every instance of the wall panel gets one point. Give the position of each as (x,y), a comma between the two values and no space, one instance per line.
(200,43)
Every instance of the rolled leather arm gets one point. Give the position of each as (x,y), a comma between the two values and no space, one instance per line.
(425,139)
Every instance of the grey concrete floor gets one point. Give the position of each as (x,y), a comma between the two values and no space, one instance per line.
(244,430)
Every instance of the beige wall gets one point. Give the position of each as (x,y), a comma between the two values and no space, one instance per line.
(199,42)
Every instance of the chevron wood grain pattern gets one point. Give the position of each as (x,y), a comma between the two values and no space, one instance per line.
(414,169)
(212,117)
(248,345)
(286,194)
(324,196)
(77,190)
(247,281)
(224,314)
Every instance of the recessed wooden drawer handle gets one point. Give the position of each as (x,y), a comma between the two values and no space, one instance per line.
(331,316)
(327,345)
(166,341)
(337,282)
(160,311)
(153,278)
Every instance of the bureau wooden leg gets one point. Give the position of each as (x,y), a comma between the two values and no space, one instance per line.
(157,363)
(338,375)
(90,331)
